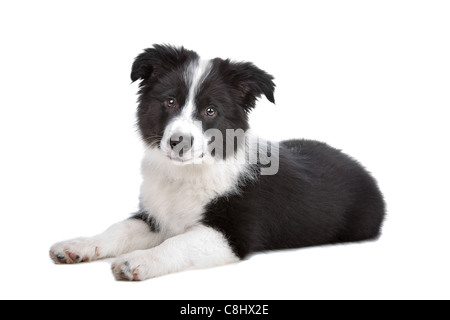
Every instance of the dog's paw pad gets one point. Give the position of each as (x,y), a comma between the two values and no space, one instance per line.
(65,257)
(136,274)
(74,251)
(131,267)
(73,256)
(123,271)
(58,257)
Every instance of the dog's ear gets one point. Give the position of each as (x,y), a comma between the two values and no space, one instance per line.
(158,60)
(251,82)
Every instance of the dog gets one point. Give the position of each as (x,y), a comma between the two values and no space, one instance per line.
(209,195)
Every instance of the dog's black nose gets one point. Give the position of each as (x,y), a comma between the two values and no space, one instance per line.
(177,138)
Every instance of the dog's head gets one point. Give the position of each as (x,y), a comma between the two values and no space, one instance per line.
(185,102)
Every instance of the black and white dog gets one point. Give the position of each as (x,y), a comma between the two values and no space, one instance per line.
(210,196)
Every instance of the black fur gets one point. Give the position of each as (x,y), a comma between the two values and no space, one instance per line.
(319,196)
(159,68)
(148,219)
(232,87)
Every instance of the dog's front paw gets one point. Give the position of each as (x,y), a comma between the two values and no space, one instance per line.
(132,267)
(75,251)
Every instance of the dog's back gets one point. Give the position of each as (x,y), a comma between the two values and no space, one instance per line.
(341,177)
(319,196)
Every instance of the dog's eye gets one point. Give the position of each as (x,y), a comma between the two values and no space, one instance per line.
(211,111)
(171,103)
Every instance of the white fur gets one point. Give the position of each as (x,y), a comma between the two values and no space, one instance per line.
(177,195)
(197,72)
(198,247)
(120,238)
(185,124)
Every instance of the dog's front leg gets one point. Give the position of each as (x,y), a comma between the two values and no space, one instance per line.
(199,247)
(135,233)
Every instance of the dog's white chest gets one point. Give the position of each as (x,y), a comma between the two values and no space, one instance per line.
(176,196)
(176,205)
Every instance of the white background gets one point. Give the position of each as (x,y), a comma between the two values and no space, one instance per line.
(369,77)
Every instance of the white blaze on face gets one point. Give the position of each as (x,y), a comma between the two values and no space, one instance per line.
(185,124)
(195,74)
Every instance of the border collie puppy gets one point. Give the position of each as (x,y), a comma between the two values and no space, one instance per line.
(209,195)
